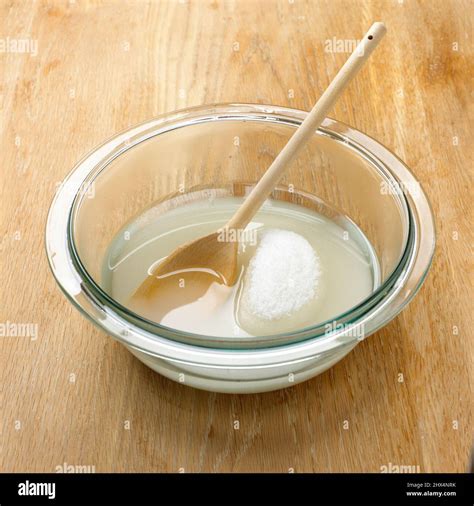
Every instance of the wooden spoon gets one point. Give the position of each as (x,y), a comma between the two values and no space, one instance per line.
(209,254)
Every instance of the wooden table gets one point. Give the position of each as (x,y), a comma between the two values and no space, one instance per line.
(73,395)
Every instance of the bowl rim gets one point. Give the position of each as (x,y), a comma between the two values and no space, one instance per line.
(73,278)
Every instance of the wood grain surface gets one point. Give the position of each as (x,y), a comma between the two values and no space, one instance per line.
(403,397)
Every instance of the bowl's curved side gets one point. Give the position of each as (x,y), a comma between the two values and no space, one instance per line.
(238,381)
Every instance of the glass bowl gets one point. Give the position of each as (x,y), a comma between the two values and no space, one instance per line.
(222,150)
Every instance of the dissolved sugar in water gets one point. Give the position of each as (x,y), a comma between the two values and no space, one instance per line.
(297,269)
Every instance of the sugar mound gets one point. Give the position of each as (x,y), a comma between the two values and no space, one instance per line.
(282,276)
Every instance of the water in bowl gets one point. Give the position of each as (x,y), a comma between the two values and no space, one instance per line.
(348,267)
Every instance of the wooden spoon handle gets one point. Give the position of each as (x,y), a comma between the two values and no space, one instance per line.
(306,130)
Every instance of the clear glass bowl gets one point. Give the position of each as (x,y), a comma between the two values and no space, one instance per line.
(223,150)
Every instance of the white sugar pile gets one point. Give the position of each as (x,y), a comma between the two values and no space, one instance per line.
(282,276)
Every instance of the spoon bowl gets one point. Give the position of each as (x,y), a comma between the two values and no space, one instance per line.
(209,254)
